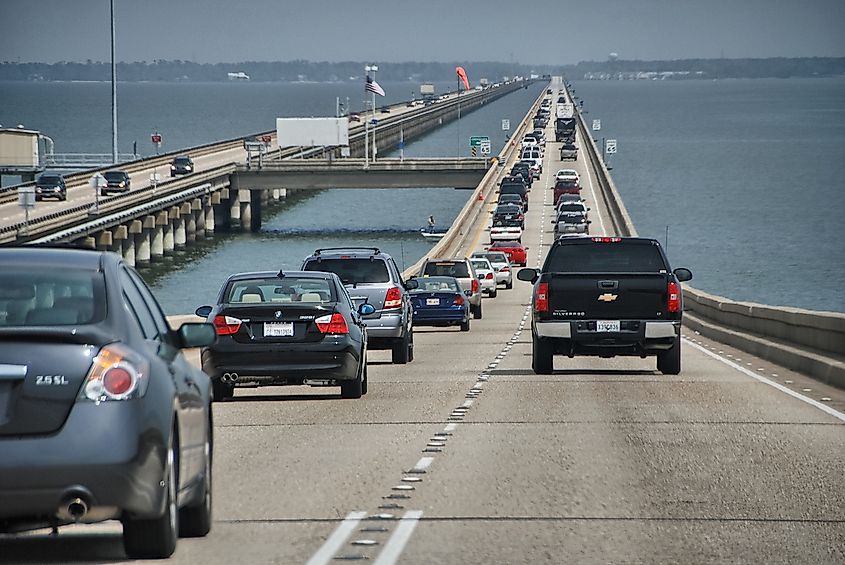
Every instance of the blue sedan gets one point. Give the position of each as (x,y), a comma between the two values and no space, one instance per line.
(440,301)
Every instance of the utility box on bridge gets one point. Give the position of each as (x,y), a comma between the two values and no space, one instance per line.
(19,152)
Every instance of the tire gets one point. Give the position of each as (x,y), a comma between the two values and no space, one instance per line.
(494,293)
(195,520)
(465,325)
(477,312)
(542,356)
(669,362)
(508,285)
(156,538)
(222,391)
(400,351)
(354,388)
(411,346)
(364,381)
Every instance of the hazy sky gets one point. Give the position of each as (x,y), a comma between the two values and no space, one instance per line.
(524,31)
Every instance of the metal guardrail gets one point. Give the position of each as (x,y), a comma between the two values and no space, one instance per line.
(85,160)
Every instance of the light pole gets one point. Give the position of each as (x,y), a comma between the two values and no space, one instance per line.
(367,69)
(113,91)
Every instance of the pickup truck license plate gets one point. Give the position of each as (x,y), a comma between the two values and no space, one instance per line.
(278,329)
(607,325)
(432,302)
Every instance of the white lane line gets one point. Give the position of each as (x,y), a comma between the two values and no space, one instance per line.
(326,553)
(467,404)
(423,464)
(397,541)
(826,409)
(450,428)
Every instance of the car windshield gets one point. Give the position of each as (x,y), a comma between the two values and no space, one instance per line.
(434,284)
(182,161)
(49,179)
(353,270)
(447,268)
(37,296)
(115,175)
(278,290)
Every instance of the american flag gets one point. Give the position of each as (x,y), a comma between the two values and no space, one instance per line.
(373,86)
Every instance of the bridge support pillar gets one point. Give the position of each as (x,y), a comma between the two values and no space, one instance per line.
(142,239)
(245,208)
(157,237)
(198,211)
(222,211)
(169,232)
(127,244)
(104,241)
(208,223)
(257,197)
(189,221)
(88,243)
(179,237)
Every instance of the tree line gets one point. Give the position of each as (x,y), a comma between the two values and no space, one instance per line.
(322,71)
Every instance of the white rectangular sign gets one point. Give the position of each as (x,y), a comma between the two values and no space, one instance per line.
(506,125)
(596,125)
(312,132)
(610,146)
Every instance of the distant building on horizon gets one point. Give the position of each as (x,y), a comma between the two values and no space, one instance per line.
(240,75)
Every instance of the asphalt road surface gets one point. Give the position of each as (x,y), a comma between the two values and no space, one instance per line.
(466,456)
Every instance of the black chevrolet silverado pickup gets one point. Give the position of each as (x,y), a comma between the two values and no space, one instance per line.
(606,296)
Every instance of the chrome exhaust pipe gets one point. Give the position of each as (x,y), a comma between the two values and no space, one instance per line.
(229,378)
(233,377)
(77,509)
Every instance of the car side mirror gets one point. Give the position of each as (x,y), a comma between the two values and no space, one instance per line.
(203,311)
(411,284)
(197,335)
(683,274)
(366,309)
(527,275)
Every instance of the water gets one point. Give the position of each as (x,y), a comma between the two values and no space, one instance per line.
(77,117)
(747,174)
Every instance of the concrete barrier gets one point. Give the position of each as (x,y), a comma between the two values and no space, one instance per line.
(807,341)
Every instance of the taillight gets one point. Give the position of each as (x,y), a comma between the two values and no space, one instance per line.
(607,239)
(541,297)
(332,324)
(674,300)
(117,373)
(393,298)
(459,300)
(474,286)
(226,325)
(505,269)
(489,276)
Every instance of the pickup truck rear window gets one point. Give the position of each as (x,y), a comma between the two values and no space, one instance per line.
(605,258)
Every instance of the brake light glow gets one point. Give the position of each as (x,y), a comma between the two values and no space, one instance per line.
(541,297)
(226,325)
(607,239)
(489,276)
(332,324)
(474,286)
(459,300)
(393,298)
(117,373)
(505,269)
(674,297)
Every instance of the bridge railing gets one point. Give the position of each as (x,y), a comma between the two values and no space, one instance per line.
(85,160)
(807,341)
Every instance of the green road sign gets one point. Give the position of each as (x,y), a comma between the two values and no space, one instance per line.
(476,140)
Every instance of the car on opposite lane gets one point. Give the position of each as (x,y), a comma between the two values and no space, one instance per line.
(286,328)
(102,416)
(116,181)
(50,185)
(181,165)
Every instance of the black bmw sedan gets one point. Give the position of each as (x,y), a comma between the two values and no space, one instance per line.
(286,328)
(101,415)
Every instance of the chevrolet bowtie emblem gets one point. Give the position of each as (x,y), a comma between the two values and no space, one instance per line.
(607,297)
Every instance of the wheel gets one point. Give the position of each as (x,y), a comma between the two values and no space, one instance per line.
(465,325)
(542,356)
(411,347)
(477,313)
(354,388)
(508,285)
(156,538)
(669,361)
(222,391)
(401,348)
(195,520)
(364,380)
(494,293)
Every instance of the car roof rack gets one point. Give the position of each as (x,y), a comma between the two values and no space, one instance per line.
(375,250)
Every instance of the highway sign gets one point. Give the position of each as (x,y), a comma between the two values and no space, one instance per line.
(610,146)
(485,147)
(26,197)
(596,125)
(156,138)
(475,140)
(506,125)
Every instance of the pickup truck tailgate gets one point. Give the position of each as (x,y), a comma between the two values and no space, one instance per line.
(622,296)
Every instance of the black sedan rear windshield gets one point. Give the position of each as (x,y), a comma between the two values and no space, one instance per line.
(279,290)
(353,270)
(605,258)
(37,296)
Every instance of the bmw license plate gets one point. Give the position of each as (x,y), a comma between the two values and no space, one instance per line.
(278,329)
(432,302)
(607,325)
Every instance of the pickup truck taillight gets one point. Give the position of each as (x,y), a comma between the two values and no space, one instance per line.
(474,286)
(541,297)
(674,297)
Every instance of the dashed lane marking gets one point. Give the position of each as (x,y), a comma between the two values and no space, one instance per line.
(399,539)
(337,539)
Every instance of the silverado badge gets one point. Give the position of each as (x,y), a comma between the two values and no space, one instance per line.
(607,297)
